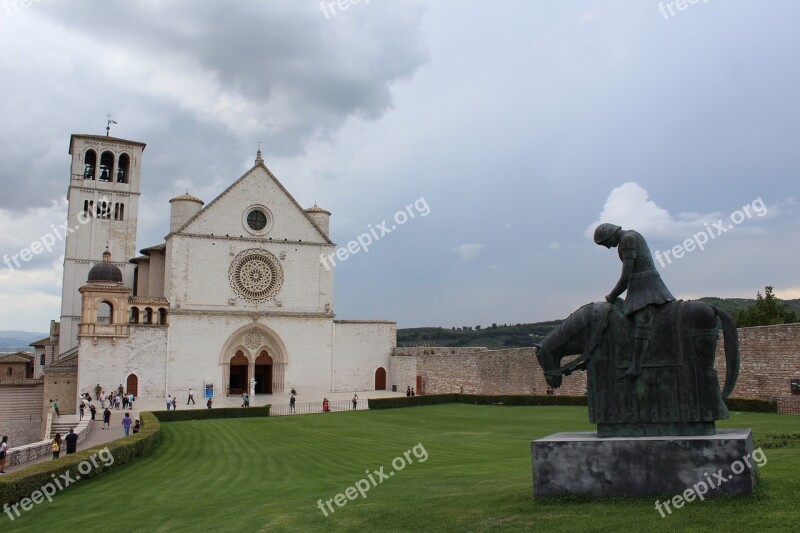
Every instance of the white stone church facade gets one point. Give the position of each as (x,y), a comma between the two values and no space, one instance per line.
(235,293)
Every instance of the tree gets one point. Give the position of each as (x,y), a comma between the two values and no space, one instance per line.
(767,311)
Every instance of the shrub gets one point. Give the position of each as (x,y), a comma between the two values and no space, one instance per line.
(481,399)
(754,405)
(23,483)
(207,414)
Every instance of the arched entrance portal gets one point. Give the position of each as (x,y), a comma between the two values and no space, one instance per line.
(264,373)
(238,382)
(253,352)
(380,379)
(132,385)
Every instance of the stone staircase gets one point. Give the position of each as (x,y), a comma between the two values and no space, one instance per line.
(62,424)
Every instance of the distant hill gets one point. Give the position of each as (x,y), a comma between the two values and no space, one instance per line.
(14,341)
(498,336)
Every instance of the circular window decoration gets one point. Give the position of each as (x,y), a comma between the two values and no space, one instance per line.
(257,219)
(255,275)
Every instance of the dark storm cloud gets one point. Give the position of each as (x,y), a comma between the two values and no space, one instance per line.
(213,77)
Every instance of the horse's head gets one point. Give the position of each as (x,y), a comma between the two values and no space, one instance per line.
(549,363)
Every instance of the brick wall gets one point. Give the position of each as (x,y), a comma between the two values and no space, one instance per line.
(770,358)
(789,406)
(476,371)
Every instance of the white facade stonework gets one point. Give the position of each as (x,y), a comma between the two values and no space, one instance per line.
(236,292)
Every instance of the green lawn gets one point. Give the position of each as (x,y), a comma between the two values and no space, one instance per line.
(267,474)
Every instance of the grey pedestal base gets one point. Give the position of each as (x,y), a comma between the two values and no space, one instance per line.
(583,463)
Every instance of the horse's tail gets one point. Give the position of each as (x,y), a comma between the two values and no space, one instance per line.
(731,350)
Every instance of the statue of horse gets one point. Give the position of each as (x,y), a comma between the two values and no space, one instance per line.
(677,393)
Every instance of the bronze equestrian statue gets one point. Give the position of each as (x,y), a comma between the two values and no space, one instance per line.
(649,358)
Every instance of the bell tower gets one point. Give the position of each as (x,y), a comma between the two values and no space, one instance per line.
(103,208)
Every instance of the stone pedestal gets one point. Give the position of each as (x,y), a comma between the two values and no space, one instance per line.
(706,465)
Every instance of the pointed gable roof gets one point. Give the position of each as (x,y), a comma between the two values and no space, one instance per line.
(258,166)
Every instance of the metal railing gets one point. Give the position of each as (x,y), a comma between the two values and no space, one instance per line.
(316,407)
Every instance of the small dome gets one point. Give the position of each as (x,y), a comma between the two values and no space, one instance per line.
(317,209)
(105,272)
(187,197)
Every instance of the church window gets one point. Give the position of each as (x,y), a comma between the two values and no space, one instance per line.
(148,316)
(134,315)
(162,316)
(257,220)
(256,275)
(41,360)
(123,168)
(106,166)
(89,164)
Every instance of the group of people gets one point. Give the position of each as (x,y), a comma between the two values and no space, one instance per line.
(115,399)
(410,392)
(172,401)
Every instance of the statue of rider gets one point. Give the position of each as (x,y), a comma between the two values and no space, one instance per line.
(640,278)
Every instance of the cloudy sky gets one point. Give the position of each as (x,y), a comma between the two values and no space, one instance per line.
(515,125)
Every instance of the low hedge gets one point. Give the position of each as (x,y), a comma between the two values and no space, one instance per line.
(207,414)
(754,405)
(480,399)
(24,484)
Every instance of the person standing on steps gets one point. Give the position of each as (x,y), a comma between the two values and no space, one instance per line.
(3,453)
(56,446)
(72,442)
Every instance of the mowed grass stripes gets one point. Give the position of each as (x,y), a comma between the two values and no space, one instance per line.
(267,474)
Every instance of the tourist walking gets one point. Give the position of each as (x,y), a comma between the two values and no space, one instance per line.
(97,390)
(136,427)
(325,406)
(102,399)
(209,402)
(412,392)
(130,400)
(408,391)
(106,418)
(117,401)
(127,421)
(92,410)
(291,404)
(174,403)
(72,441)
(355,402)
(191,397)
(3,453)
(55,407)
(169,402)
(56,446)
(82,409)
